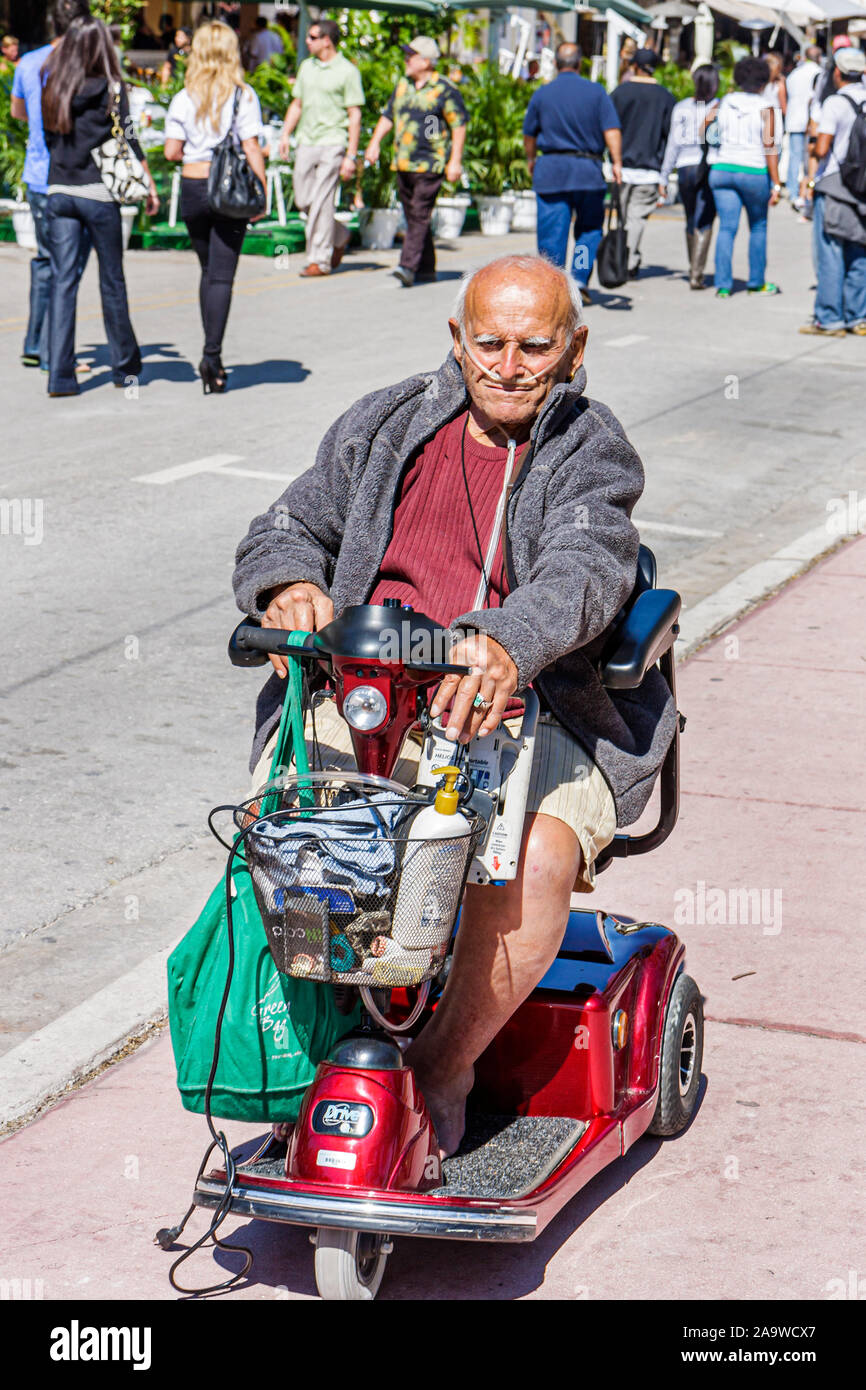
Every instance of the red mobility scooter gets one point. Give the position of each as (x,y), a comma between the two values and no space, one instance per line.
(608,1047)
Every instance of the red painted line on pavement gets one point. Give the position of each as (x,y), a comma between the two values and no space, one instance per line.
(774,801)
(788,1028)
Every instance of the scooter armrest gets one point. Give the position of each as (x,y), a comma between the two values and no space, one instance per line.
(646,632)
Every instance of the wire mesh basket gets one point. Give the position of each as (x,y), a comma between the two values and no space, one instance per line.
(346,893)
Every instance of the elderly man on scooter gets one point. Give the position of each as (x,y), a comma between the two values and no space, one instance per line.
(406,499)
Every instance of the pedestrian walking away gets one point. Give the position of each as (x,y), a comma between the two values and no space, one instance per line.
(776,90)
(568,123)
(263,45)
(644,108)
(83,86)
(26,105)
(427,113)
(800,86)
(213,98)
(744,173)
(839,228)
(687,152)
(326,112)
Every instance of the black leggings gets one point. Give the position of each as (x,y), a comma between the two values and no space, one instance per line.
(217,242)
(697,198)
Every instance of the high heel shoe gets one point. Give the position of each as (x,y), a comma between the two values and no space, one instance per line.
(213,376)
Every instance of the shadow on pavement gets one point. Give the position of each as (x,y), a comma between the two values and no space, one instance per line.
(609,301)
(273,371)
(160,362)
(655,272)
(434,1269)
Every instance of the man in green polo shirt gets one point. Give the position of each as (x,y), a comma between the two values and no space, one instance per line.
(326,108)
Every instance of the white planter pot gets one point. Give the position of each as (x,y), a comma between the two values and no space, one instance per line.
(525,217)
(494,214)
(378,227)
(127,222)
(25,229)
(449,214)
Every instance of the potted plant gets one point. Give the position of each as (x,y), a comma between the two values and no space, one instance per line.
(379,219)
(449,212)
(13,151)
(496,105)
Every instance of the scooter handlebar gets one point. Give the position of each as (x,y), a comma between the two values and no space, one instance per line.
(251,644)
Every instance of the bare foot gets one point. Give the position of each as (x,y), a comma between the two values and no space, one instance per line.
(282,1131)
(446,1101)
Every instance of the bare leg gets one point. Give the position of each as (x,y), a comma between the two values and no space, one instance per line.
(508,938)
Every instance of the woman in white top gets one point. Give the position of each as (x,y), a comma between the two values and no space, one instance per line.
(198,118)
(776,90)
(744,173)
(685,153)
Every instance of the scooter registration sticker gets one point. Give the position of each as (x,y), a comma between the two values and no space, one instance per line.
(335,1158)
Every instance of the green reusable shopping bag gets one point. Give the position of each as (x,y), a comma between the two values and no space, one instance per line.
(275,1028)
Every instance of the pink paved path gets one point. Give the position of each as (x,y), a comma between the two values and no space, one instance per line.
(762,1197)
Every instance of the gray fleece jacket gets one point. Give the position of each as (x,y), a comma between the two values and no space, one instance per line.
(570,553)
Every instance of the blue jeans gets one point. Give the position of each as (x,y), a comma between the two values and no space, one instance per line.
(796,157)
(732,192)
(36,337)
(697,198)
(840,299)
(555,213)
(68,220)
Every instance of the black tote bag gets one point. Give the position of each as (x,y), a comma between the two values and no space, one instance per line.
(611,262)
(233,189)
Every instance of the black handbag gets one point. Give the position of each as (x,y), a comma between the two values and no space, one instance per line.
(233,189)
(611,262)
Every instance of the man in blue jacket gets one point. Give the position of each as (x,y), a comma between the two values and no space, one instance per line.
(569,122)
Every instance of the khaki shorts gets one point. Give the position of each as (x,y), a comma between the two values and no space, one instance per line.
(565,782)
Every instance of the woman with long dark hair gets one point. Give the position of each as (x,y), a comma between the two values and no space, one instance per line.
(214,99)
(82,81)
(685,153)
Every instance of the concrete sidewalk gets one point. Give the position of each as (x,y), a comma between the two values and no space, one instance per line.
(761,1197)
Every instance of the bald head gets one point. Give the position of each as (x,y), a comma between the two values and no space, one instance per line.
(517,332)
(568,57)
(814,54)
(524,278)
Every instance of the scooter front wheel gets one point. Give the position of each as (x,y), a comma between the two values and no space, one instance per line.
(681,1056)
(350,1264)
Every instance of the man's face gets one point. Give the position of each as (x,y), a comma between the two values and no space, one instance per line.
(516,329)
(315,41)
(10,50)
(416,66)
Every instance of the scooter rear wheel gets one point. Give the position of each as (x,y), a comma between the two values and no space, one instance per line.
(350,1264)
(681,1056)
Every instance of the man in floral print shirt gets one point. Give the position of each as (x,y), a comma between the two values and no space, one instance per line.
(427,114)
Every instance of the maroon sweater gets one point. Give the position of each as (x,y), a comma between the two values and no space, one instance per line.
(432,560)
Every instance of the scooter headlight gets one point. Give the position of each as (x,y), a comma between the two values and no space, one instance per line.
(365,708)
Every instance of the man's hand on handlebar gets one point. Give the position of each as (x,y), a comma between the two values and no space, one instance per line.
(299,607)
(493,675)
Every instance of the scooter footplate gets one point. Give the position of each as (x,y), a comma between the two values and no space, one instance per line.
(507,1156)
